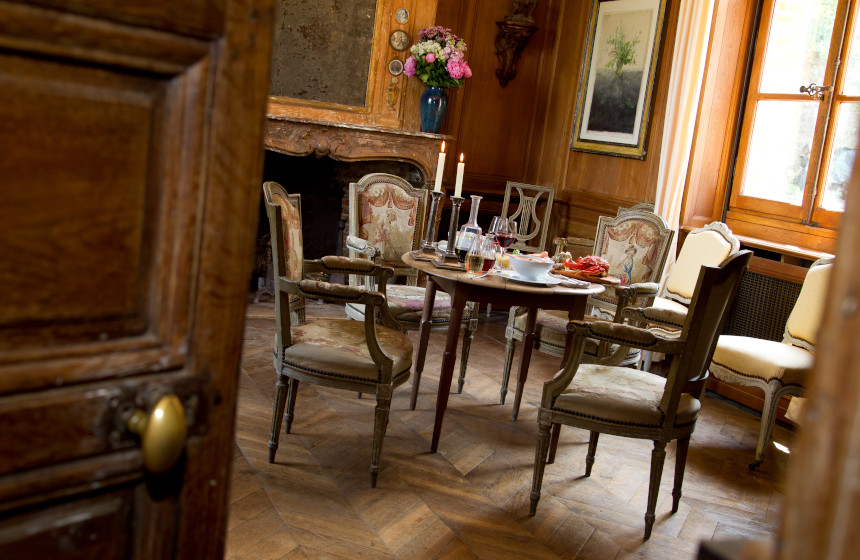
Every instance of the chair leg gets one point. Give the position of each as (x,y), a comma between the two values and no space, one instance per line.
(540,463)
(553,443)
(680,463)
(768,417)
(510,347)
(645,364)
(592,448)
(280,401)
(658,456)
(380,424)
(468,336)
(489,309)
(291,405)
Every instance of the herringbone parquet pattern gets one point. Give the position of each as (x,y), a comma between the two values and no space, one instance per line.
(470,500)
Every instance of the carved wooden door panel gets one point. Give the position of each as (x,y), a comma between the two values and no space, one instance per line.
(131,136)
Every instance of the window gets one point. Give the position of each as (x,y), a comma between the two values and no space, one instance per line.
(797,148)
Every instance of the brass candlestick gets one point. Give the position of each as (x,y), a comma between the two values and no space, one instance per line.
(427,252)
(449,259)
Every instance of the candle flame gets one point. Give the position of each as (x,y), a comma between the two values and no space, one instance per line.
(461,156)
(443,146)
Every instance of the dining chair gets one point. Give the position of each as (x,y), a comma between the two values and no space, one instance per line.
(290,206)
(372,356)
(704,246)
(650,239)
(387,217)
(532,214)
(627,402)
(777,368)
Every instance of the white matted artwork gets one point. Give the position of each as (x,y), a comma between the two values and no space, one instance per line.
(617,77)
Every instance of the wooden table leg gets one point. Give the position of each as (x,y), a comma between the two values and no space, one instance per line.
(423,339)
(528,343)
(458,302)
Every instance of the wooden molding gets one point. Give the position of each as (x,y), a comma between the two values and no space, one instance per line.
(303,137)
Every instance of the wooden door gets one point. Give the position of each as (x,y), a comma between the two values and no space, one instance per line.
(131,136)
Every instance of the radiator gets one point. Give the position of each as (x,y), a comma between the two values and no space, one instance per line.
(762,306)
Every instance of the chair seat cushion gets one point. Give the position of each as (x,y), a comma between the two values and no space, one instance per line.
(762,359)
(623,396)
(669,305)
(406,304)
(338,348)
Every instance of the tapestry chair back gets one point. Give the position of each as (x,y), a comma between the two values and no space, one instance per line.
(390,214)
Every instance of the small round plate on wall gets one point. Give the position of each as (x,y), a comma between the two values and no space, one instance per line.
(399,40)
(402,15)
(395,67)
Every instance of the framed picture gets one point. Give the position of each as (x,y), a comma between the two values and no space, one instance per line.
(613,106)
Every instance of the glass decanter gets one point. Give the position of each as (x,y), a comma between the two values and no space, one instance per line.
(468,231)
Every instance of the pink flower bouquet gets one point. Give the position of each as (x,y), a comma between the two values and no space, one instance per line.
(438,58)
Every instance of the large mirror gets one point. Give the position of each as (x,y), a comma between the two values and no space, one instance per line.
(323,51)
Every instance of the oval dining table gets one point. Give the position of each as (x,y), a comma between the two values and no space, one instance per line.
(497,290)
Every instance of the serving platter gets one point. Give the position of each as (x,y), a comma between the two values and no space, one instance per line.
(609,280)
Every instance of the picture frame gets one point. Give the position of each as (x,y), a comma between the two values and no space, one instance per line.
(617,78)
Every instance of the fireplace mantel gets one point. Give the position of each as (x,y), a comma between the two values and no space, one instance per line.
(348,142)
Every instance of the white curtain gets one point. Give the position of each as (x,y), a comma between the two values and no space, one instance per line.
(685,87)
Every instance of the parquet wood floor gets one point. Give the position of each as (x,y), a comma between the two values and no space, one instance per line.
(470,500)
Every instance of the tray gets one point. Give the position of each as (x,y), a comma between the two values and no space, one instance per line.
(609,280)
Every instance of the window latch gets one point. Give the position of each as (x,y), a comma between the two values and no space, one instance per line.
(814,90)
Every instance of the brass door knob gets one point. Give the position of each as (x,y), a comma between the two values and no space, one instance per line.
(162,433)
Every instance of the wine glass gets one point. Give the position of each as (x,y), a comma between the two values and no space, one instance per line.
(506,234)
(474,261)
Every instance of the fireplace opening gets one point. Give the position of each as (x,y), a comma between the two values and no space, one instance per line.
(323,184)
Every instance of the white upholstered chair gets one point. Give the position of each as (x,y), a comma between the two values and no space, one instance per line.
(705,246)
(777,368)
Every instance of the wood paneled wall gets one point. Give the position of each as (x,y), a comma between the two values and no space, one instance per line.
(522,132)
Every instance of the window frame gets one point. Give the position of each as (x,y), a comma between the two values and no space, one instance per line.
(756,215)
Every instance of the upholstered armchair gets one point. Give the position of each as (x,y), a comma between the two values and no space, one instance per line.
(650,239)
(705,246)
(777,368)
(631,403)
(372,356)
(387,217)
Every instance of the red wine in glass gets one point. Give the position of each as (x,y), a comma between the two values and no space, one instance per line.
(505,239)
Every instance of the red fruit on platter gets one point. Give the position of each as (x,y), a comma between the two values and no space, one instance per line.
(592,265)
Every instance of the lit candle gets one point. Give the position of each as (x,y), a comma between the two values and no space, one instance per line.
(440,169)
(461,168)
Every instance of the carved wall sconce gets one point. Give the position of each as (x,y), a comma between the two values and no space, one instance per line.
(514,33)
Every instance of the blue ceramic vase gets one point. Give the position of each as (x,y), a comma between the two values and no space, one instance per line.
(434,104)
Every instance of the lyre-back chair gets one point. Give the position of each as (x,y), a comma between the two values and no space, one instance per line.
(533,227)
(628,402)
(372,356)
(387,217)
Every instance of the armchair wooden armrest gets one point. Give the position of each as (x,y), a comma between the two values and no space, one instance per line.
(626,336)
(348,294)
(656,316)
